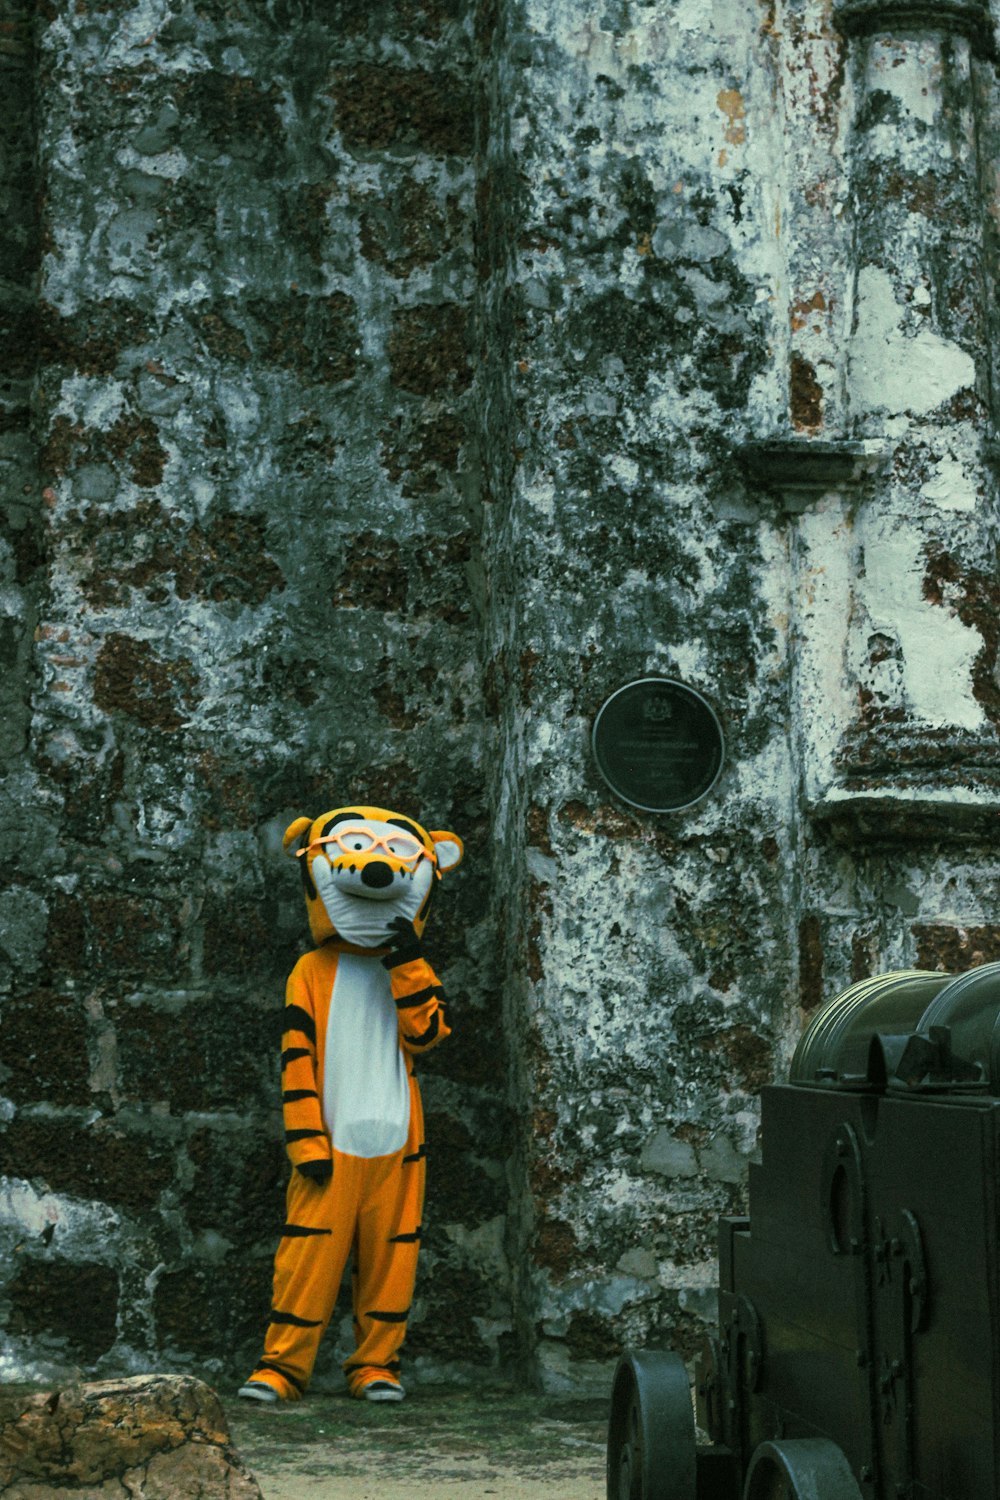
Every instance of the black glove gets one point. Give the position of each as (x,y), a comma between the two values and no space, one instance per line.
(316,1171)
(402,943)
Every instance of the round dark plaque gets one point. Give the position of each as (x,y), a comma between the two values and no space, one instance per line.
(658,745)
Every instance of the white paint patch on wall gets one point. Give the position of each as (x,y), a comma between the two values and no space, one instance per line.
(27,1214)
(938,650)
(824,572)
(92,402)
(896,372)
(951,486)
(910,71)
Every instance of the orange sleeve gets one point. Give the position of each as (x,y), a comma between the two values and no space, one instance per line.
(306,1138)
(419,1005)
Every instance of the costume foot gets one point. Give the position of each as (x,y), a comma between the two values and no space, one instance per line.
(383,1390)
(256,1390)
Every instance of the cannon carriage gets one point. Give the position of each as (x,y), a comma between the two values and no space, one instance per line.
(857,1355)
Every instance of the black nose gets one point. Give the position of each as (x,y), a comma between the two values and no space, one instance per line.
(377,875)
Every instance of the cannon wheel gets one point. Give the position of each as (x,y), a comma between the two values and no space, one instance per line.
(800,1469)
(651,1442)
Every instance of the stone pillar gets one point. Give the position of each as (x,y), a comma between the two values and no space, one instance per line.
(811,218)
(922,644)
(887,491)
(649,953)
(893,577)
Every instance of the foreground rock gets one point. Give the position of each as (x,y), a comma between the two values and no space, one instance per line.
(149,1437)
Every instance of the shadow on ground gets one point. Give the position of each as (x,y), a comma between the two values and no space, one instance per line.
(456,1444)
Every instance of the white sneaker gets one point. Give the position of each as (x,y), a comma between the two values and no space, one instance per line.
(384,1390)
(257,1390)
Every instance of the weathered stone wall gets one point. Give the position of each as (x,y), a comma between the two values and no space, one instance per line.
(409,377)
(259,596)
(654,950)
(735,467)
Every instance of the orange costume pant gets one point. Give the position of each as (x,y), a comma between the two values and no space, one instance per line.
(371,1206)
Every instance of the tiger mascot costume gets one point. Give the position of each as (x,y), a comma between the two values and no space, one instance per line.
(358,1009)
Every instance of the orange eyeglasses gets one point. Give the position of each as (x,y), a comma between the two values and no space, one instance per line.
(401,846)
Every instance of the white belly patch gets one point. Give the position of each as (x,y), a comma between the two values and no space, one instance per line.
(366,1093)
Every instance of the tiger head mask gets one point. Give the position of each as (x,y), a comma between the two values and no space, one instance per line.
(363,867)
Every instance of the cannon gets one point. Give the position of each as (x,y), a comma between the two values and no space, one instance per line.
(857,1355)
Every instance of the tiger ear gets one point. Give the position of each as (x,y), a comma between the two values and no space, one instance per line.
(449,849)
(294,831)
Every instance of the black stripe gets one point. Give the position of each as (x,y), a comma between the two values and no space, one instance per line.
(307,880)
(422,913)
(291,1053)
(405,954)
(410,828)
(393,1369)
(426,1037)
(299,1231)
(300,1135)
(351,816)
(419,997)
(417,1155)
(296,1322)
(291,1095)
(406,1239)
(268,1364)
(297,1019)
(388,1317)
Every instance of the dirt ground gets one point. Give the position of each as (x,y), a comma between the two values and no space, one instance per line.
(456,1445)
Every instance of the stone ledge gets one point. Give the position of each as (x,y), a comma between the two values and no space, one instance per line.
(801,469)
(867,17)
(885,812)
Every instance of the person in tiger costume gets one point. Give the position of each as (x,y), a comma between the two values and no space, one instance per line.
(358,1009)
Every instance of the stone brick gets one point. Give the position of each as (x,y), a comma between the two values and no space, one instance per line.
(218,1054)
(555,1246)
(955,949)
(95,340)
(380,106)
(747,1058)
(421,456)
(134,680)
(89,787)
(232,113)
(590,1335)
(130,936)
(148,551)
(56,1299)
(239,1184)
(476,1042)
(810,962)
(459,1189)
(43,1049)
(409,231)
(215,1311)
(66,938)
(316,337)
(239,939)
(451,1303)
(100,1161)
(428,349)
(805,395)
